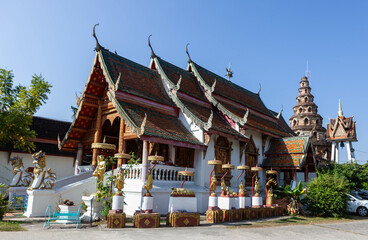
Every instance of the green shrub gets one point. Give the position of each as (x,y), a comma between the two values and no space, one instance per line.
(326,195)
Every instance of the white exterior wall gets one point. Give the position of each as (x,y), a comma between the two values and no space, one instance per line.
(62,166)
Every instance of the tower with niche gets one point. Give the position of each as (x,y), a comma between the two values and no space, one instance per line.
(307,122)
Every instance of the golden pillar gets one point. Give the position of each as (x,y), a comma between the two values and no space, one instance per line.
(97,137)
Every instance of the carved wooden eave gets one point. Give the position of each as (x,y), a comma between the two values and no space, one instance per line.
(208,92)
(85,99)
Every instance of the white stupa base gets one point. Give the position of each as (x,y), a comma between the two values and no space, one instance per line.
(257,201)
(212,202)
(225,203)
(188,204)
(118,202)
(147,203)
(94,208)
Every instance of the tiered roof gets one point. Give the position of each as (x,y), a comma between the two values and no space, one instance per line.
(240,105)
(291,152)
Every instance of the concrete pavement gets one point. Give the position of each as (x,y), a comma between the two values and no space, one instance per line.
(334,231)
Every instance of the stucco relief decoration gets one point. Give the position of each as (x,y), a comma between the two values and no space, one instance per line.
(42,179)
(21,177)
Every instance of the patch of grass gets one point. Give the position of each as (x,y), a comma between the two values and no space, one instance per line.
(10,226)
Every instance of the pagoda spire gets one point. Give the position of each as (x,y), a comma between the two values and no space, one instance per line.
(339,113)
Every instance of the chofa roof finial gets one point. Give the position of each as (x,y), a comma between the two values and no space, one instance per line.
(339,113)
(153,55)
(186,50)
(98,46)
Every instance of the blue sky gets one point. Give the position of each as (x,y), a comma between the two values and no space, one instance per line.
(267,42)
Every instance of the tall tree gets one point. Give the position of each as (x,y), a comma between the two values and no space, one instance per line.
(17,106)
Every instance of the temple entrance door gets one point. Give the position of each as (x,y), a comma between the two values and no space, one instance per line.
(223,153)
(251,159)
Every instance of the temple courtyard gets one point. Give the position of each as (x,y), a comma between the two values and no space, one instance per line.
(276,228)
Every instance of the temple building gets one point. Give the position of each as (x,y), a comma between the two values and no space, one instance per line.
(188,116)
(307,122)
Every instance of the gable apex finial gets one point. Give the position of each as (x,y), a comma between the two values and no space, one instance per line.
(98,46)
(153,55)
(186,50)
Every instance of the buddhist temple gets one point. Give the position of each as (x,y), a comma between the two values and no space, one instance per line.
(188,117)
(307,122)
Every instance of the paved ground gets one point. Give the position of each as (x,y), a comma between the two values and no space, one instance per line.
(346,231)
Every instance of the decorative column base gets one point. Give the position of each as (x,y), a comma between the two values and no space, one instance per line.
(116,220)
(182,219)
(118,202)
(213,203)
(146,220)
(225,203)
(214,216)
(244,202)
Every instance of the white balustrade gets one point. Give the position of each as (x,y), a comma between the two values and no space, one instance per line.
(159,173)
(83,169)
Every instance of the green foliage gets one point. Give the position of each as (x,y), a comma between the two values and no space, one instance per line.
(293,194)
(6,205)
(326,195)
(17,106)
(104,190)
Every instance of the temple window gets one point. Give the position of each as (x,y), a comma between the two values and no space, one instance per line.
(184,157)
(306,121)
(309,109)
(300,110)
(251,159)
(317,121)
(315,134)
(305,99)
(294,122)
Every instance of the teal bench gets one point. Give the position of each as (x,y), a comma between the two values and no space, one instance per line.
(70,217)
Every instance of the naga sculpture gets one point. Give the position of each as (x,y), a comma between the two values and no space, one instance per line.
(21,177)
(42,179)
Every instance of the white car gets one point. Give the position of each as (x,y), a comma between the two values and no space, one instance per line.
(357,205)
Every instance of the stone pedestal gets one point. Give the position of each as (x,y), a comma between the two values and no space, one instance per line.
(146,220)
(67,209)
(94,208)
(257,202)
(214,216)
(116,220)
(244,202)
(182,219)
(38,200)
(251,213)
(118,202)
(234,202)
(212,202)
(147,204)
(225,203)
(236,215)
(187,204)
